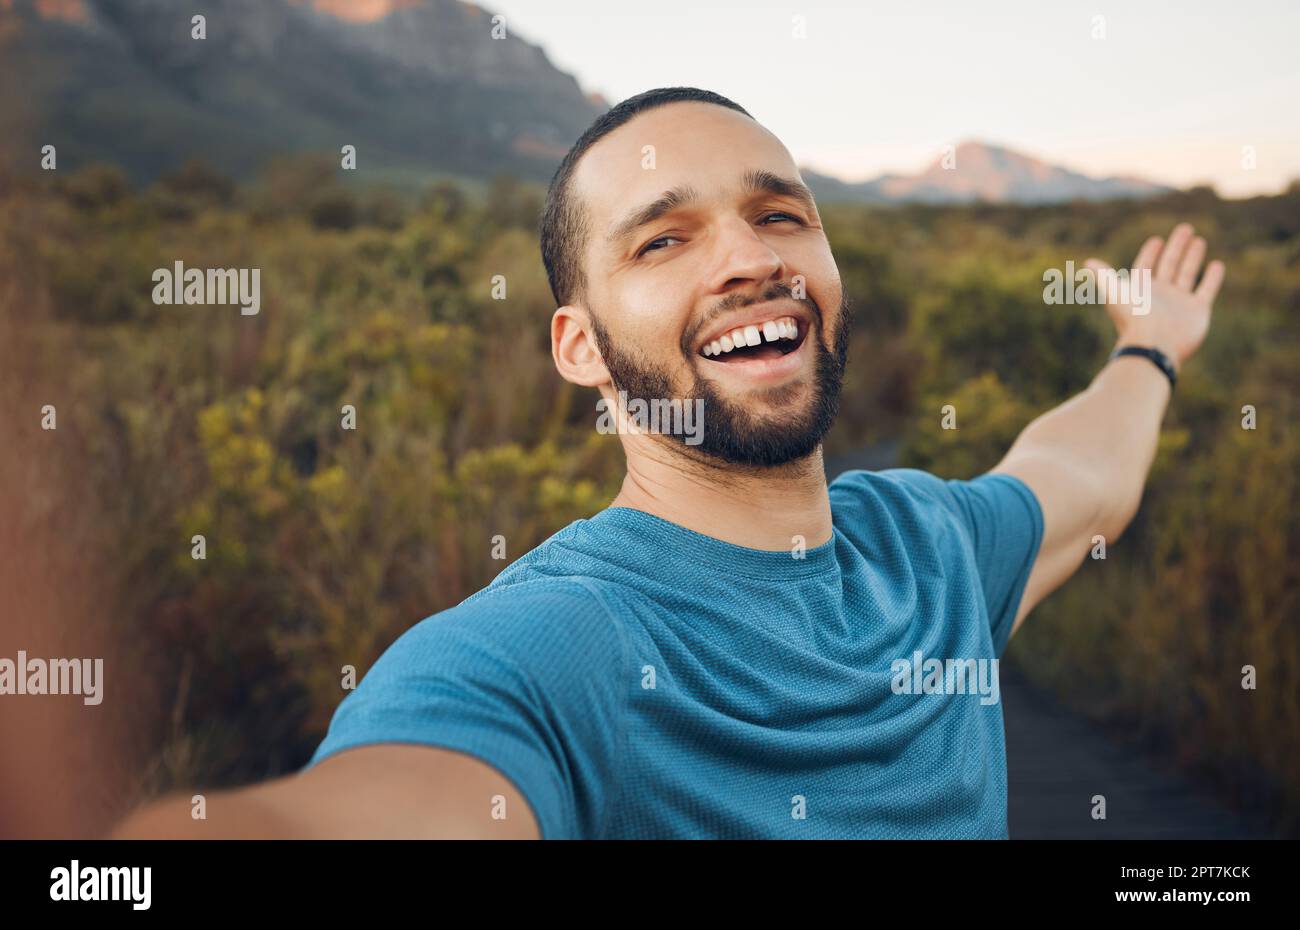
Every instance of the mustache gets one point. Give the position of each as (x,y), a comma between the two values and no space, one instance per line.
(775,291)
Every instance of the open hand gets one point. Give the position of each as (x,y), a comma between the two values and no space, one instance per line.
(1176,314)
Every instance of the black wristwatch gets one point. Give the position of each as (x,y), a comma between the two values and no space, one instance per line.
(1158,358)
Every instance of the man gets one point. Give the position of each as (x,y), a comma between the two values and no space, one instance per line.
(732,649)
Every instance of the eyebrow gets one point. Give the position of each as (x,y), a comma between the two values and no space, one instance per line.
(666,202)
(765,182)
(754,182)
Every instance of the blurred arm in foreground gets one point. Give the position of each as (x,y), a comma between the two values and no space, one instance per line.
(384,791)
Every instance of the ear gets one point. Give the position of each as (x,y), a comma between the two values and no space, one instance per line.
(574,348)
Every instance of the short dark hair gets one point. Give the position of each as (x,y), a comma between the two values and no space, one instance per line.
(564,225)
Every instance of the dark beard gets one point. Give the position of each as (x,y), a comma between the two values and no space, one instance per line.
(729,432)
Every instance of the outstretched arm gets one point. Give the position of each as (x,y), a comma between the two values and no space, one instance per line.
(381,791)
(1087,460)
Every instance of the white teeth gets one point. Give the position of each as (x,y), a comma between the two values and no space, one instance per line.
(753,335)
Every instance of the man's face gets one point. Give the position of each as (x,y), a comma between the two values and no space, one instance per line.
(677,292)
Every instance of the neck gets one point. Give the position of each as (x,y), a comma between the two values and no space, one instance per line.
(755,508)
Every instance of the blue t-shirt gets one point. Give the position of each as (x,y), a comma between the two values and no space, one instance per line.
(635,679)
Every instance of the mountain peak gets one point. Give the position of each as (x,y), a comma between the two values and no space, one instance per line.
(420,87)
(358,11)
(976,170)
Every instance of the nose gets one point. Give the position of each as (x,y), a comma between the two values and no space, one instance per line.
(743,259)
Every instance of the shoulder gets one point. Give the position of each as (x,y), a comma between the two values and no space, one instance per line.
(890,484)
(543,624)
(579,555)
(910,493)
(906,495)
(529,677)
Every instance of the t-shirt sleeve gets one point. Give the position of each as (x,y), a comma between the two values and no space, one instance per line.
(1004,524)
(529,678)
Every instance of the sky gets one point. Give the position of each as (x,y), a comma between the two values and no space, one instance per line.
(1180,93)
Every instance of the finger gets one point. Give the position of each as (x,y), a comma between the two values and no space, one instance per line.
(1209,286)
(1148,254)
(1190,264)
(1173,252)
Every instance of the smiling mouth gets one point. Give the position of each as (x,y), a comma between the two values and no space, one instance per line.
(768,340)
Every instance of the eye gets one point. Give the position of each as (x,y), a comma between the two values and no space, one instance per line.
(788,216)
(651,247)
